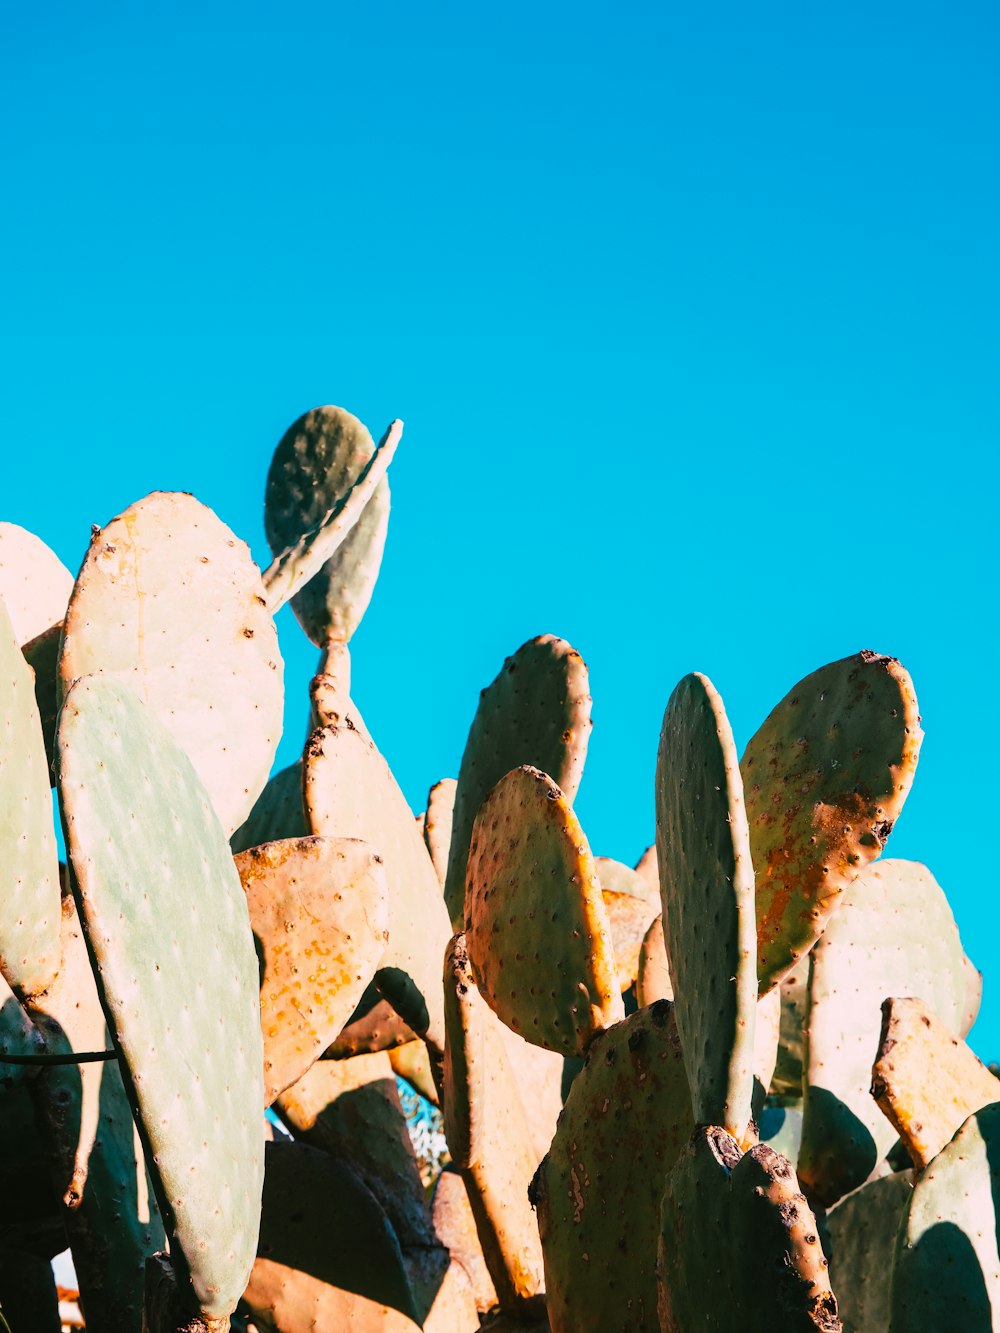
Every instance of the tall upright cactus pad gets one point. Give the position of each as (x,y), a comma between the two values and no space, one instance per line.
(34,583)
(893,935)
(488,1137)
(163,566)
(926,1080)
(319,911)
(947,1270)
(538,934)
(350,793)
(740,1248)
(327,1256)
(826,776)
(537,712)
(167,926)
(438,820)
(316,463)
(653,979)
(862,1233)
(707,889)
(29,866)
(598,1192)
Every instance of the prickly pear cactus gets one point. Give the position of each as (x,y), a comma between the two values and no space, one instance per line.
(167,927)
(537,712)
(826,776)
(862,1233)
(34,583)
(707,890)
(538,933)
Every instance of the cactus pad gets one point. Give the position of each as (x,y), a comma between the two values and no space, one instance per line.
(351,793)
(538,934)
(947,1272)
(740,1247)
(164,565)
(278,812)
(707,889)
(34,583)
(537,712)
(653,979)
(826,776)
(29,866)
(630,918)
(437,824)
(598,1192)
(894,934)
(926,1080)
(317,461)
(862,1231)
(167,926)
(319,910)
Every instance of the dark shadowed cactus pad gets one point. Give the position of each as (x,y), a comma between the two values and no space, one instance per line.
(826,776)
(169,601)
(537,931)
(317,461)
(947,1273)
(598,1191)
(29,866)
(536,712)
(740,1248)
(862,1231)
(707,890)
(167,925)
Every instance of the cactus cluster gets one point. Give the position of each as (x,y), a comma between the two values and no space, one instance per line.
(726,1089)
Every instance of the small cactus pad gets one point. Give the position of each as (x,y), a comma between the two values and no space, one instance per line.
(616,877)
(163,566)
(317,461)
(653,980)
(374,1026)
(862,1233)
(630,919)
(29,865)
(351,1109)
(34,583)
(926,1080)
(167,926)
(538,934)
(598,1192)
(319,910)
(411,1062)
(740,1248)
(455,1227)
(707,889)
(973,996)
(95,1160)
(894,934)
(826,776)
(327,1257)
(437,824)
(536,712)
(947,1273)
(278,812)
(351,793)
(488,1137)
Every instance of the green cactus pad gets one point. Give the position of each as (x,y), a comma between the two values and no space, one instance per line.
(167,927)
(29,865)
(95,1161)
(862,1232)
(707,889)
(437,824)
(926,1081)
(894,934)
(350,793)
(327,1256)
(947,1273)
(278,812)
(786,1084)
(973,997)
(598,1192)
(34,583)
(489,1138)
(537,930)
(163,566)
(537,712)
(317,461)
(740,1247)
(826,776)
(319,910)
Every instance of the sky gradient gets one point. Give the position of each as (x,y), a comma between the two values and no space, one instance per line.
(690,311)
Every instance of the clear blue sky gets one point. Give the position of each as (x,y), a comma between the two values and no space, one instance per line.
(690,310)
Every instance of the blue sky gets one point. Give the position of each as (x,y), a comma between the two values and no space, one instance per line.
(691,312)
